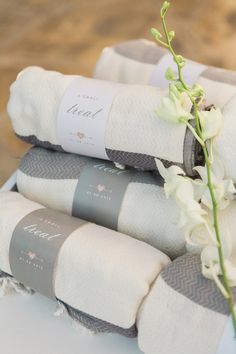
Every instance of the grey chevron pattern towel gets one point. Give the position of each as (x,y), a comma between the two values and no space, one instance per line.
(184,312)
(98,326)
(54,179)
(192,154)
(93,324)
(184,276)
(42,163)
(48,164)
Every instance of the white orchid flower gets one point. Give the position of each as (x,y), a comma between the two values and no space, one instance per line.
(211,123)
(192,215)
(173,177)
(218,165)
(211,268)
(224,189)
(191,211)
(202,234)
(176,107)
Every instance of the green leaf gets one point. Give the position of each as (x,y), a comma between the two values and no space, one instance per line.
(170,75)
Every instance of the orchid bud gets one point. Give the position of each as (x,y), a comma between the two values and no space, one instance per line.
(171,35)
(197,91)
(164,8)
(181,60)
(156,34)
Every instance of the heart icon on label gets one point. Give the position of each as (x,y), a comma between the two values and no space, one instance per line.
(101,188)
(31,255)
(80,135)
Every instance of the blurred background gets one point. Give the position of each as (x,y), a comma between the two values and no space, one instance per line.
(68,36)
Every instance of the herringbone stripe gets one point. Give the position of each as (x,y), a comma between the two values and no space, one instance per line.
(33,140)
(142,161)
(192,154)
(46,164)
(184,276)
(49,164)
(92,323)
(98,326)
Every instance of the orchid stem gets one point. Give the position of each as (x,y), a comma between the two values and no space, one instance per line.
(197,132)
(201,142)
(230,298)
(180,78)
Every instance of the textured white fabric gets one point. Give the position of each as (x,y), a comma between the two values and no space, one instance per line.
(53,193)
(145,213)
(169,322)
(217,93)
(132,125)
(226,142)
(124,69)
(101,272)
(154,218)
(131,71)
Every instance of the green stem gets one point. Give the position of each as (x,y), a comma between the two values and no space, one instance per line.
(162,43)
(173,53)
(201,142)
(208,162)
(230,298)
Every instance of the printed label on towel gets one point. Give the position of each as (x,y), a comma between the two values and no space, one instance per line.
(191,71)
(83,114)
(34,247)
(99,193)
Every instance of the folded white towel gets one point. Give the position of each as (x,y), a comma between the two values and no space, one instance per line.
(134,62)
(184,312)
(100,272)
(51,178)
(134,134)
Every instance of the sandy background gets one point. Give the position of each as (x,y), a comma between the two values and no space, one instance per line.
(68,35)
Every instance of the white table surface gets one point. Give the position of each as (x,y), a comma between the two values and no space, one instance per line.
(28,326)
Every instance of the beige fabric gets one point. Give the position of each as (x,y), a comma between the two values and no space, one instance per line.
(96,267)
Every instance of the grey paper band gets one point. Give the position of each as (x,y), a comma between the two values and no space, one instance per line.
(34,247)
(99,193)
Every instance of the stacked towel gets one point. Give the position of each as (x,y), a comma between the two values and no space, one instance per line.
(97,267)
(51,178)
(134,134)
(135,62)
(184,312)
(99,272)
